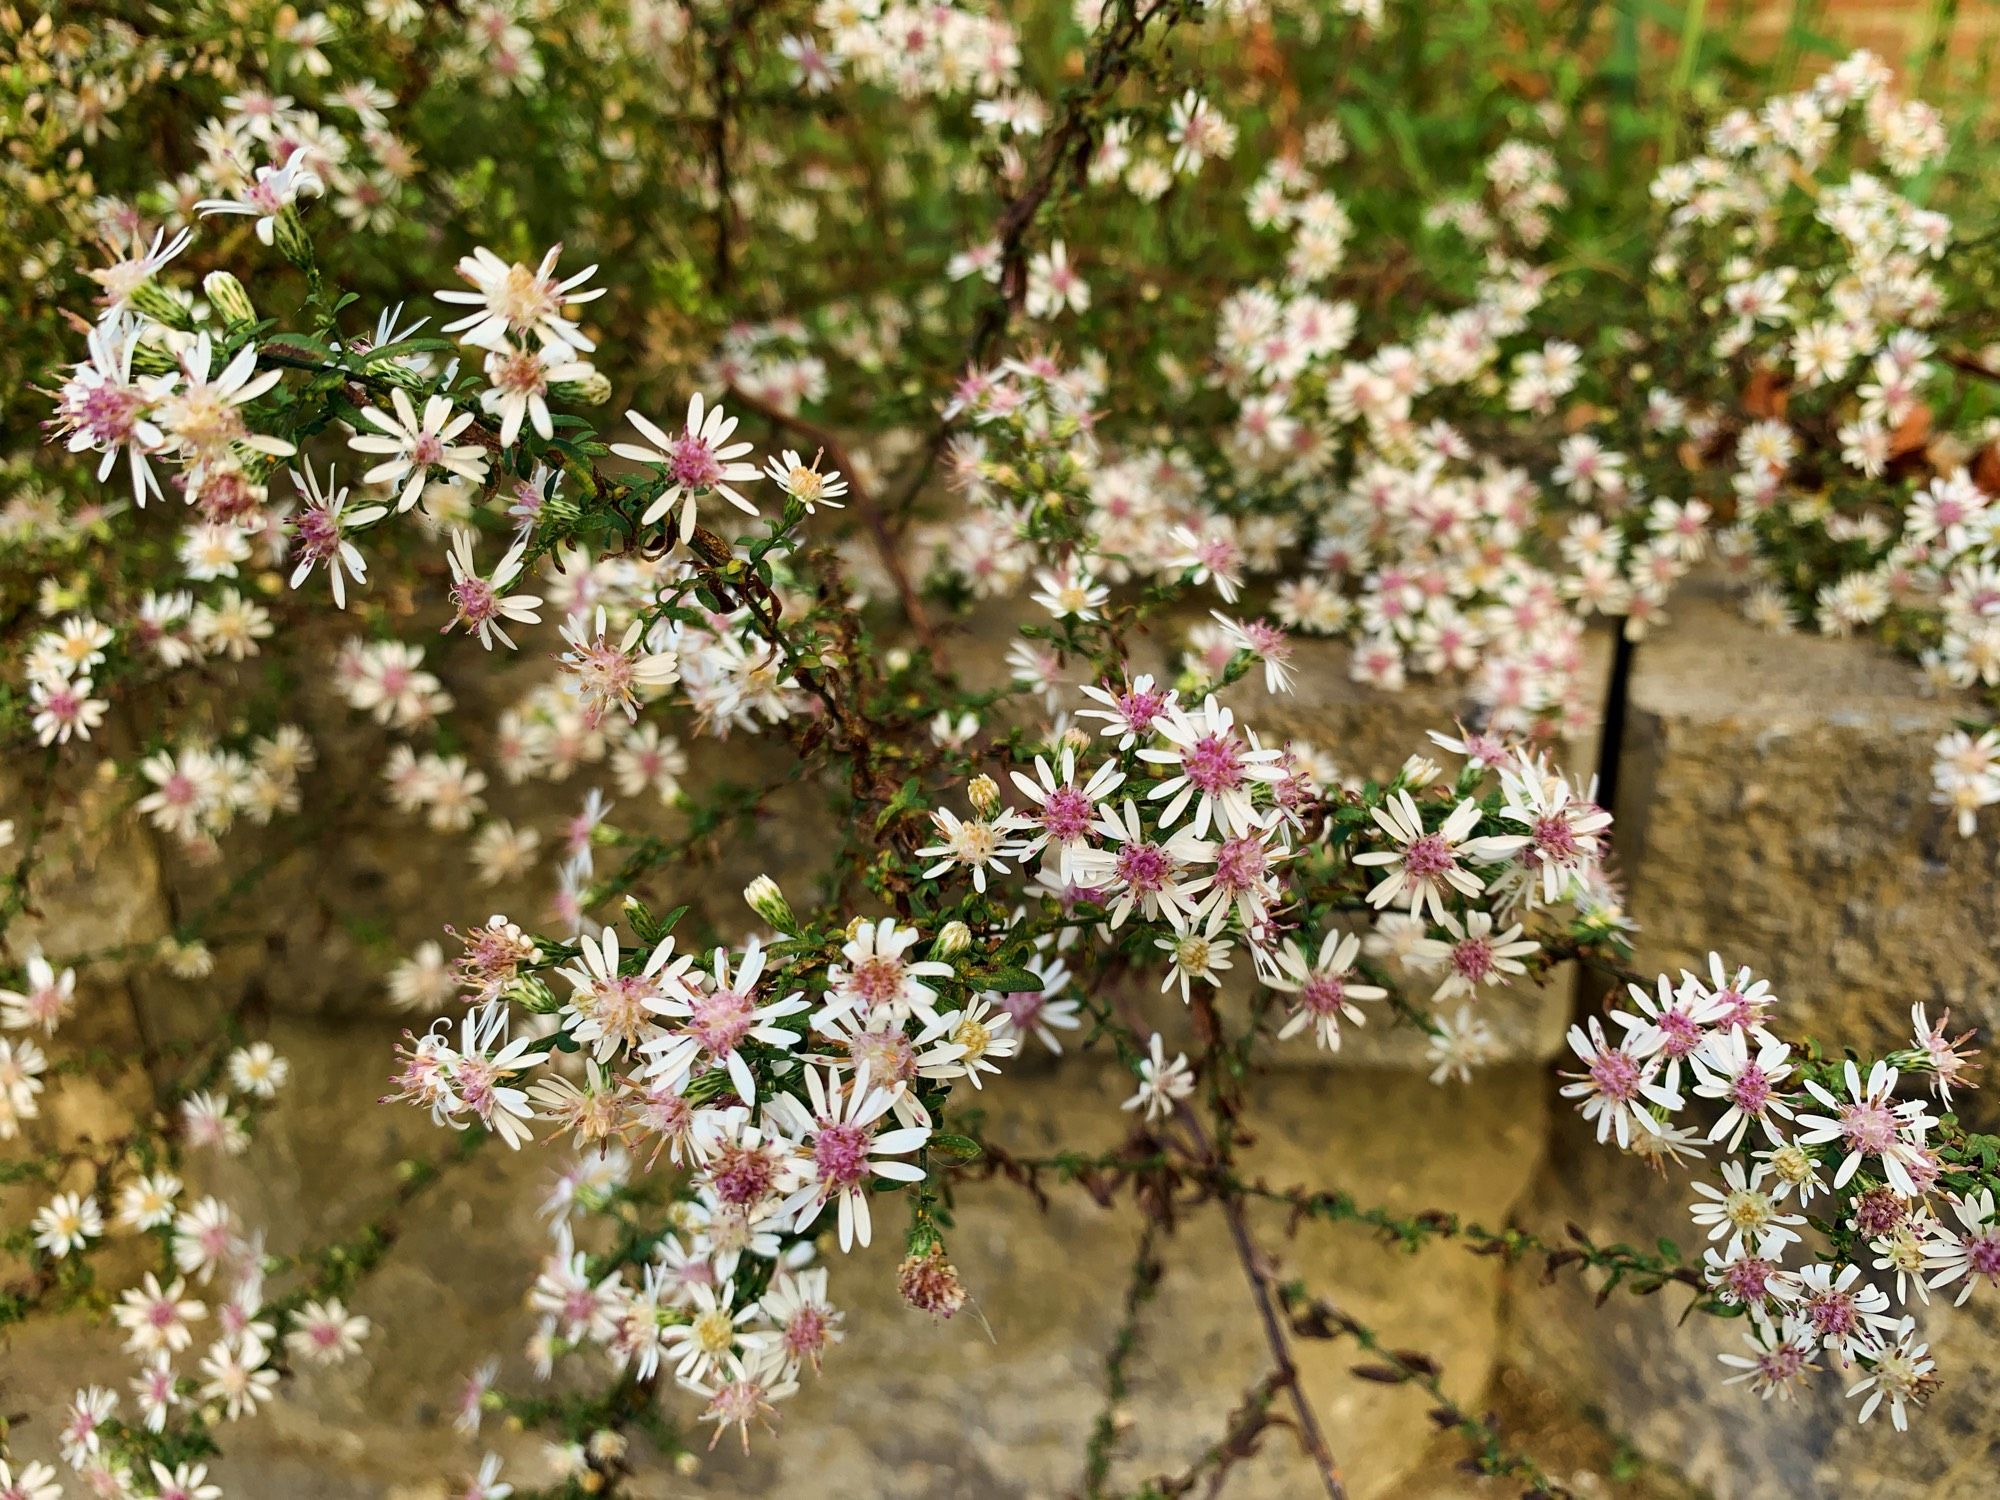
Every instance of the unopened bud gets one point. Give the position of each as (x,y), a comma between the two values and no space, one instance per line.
(952,939)
(533,996)
(161,305)
(150,358)
(230,300)
(290,237)
(983,792)
(1420,771)
(765,899)
(397,373)
(593,390)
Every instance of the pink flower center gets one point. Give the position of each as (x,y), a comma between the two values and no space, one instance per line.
(1751,1090)
(1616,1077)
(1555,840)
(1869,1127)
(106,413)
(1429,856)
(1472,959)
(1067,814)
(1832,1313)
(1782,1364)
(1982,1254)
(806,1334)
(840,1154)
(1323,994)
(1146,868)
(475,600)
(1214,764)
(742,1175)
(877,980)
(1024,1007)
(1139,710)
(520,373)
(720,1021)
(693,462)
(1682,1034)
(1240,864)
(1748,1280)
(318,533)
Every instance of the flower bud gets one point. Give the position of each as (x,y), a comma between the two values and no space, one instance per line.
(161,305)
(150,358)
(229,298)
(952,939)
(397,373)
(290,237)
(593,390)
(765,899)
(983,792)
(1420,771)
(533,996)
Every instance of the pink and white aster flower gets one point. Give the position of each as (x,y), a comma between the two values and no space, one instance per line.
(1154,872)
(416,448)
(1564,832)
(320,532)
(1845,1314)
(1870,1123)
(1674,1026)
(1206,763)
(609,1010)
(1130,712)
(1725,1068)
(45,999)
(481,605)
(1325,989)
(1970,1253)
(105,411)
(518,384)
(1426,864)
(1617,1087)
(711,1019)
(605,675)
(268,195)
(844,1149)
(699,459)
(877,979)
(1065,811)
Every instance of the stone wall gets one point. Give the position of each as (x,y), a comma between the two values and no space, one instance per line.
(1772,798)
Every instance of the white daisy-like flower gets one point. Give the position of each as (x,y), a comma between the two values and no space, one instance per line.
(482,604)
(518,304)
(416,448)
(699,459)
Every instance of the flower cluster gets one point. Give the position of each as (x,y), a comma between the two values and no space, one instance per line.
(957,567)
(1849,1154)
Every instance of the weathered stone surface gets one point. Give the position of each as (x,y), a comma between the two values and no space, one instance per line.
(1775,804)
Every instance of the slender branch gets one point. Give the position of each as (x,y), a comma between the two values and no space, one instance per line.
(867,508)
